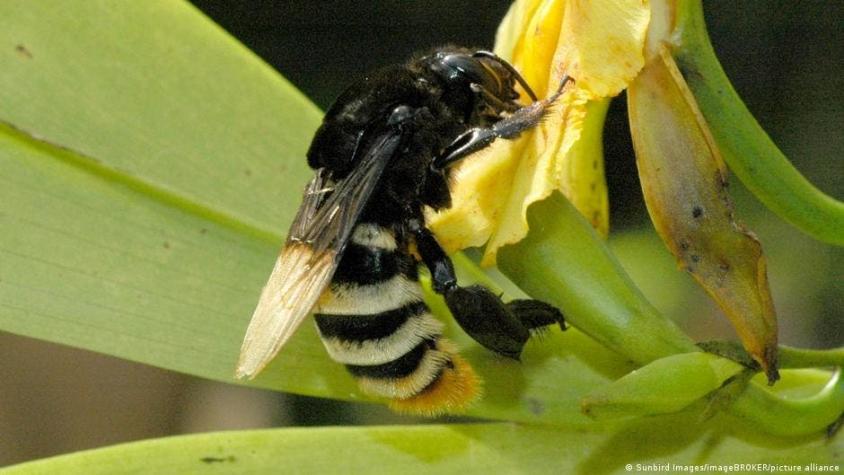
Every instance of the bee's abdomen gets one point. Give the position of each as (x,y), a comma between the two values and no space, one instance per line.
(373,320)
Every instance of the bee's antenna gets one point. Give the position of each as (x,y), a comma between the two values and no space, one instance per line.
(508,67)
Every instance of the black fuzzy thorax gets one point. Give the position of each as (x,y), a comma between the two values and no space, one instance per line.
(444,110)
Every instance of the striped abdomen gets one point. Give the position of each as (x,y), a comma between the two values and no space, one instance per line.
(373,320)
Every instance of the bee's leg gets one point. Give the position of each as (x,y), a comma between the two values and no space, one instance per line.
(503,328)
(536,314)
(510,127)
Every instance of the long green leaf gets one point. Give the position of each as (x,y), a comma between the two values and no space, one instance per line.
(140,177)
(478,448)
(157,94)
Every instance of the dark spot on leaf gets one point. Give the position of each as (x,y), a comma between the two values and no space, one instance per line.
(695,258)
(248,172)
(23,51)
(689,71)
(684,245)
(166,245)
(535,406)
(724,266)
(594,164)
(721,179)
(592,186)
(209,460)
(203,231)
(697,212)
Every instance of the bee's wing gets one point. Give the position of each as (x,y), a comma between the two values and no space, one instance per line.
(310,256)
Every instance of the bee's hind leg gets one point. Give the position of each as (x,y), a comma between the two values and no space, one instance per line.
(503,328)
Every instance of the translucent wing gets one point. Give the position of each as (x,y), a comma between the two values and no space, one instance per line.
(317,238)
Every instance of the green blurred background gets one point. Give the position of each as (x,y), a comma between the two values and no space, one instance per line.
(784,58)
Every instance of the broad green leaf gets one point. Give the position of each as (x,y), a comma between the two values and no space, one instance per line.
(136,224)
(477,448)
(157,94)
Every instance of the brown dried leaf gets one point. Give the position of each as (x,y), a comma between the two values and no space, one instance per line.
(684,181)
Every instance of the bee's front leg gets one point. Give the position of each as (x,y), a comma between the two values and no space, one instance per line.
(478,138)
(498,326)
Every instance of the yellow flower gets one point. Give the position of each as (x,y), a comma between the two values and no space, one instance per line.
(599,43)
(608,46)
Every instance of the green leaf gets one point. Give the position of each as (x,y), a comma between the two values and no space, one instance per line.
(475,448)
(158,95)
(140,179)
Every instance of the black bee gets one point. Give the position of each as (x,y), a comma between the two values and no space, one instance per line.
(383,153)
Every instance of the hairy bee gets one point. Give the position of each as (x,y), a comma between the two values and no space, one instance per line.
(382,153)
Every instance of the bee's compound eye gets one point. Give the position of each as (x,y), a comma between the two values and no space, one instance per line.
(400,114)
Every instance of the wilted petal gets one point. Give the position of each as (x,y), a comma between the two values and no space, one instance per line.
(684,182)
(602,43)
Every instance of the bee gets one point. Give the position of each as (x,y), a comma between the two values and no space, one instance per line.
(383,153)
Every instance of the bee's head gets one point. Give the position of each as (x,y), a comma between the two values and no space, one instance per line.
(483,73)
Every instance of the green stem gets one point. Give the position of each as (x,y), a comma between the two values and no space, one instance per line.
(745,146)
(791,417)
(791,357)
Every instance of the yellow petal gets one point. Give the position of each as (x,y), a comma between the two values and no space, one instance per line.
(538,170)
(684,183)
(484,180)
(600,43)
(512,28)
(581,173)
(530,31)
(534,52)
